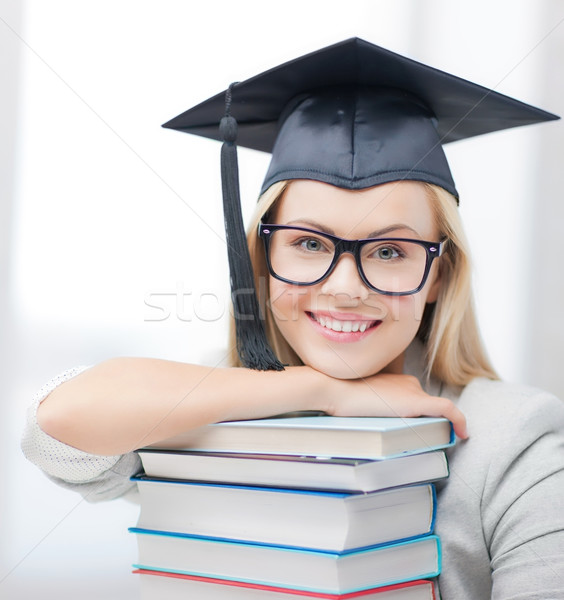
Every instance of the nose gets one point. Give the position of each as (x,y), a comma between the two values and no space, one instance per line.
(345,280)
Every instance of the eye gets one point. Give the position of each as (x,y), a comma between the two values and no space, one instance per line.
(386,253)
(311,245)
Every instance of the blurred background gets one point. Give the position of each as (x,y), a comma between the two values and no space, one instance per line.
(111,237)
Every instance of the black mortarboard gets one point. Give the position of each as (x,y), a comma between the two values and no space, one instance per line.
(352,115)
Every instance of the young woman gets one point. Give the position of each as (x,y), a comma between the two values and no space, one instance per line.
(368,302)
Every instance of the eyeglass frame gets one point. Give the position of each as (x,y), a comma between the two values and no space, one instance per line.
(343,246)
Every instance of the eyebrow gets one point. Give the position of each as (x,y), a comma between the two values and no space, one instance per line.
(373,234)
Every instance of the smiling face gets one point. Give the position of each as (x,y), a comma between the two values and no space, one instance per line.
(340,326)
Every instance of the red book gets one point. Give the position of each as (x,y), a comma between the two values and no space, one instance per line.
(172,586)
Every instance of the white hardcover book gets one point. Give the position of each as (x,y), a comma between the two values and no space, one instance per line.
(315,571)
(334,521)
(308,472)
(350,437)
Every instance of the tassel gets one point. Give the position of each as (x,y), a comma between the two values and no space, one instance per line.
(252,346)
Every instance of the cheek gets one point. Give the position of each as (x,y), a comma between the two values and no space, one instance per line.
(404,309)
(411,308)
(408,308)
(285,300)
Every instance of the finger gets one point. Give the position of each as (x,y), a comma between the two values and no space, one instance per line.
(434,406)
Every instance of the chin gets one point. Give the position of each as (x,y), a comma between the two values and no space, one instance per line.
(345,365)
(340,370)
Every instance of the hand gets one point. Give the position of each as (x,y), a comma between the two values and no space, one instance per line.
(389,395)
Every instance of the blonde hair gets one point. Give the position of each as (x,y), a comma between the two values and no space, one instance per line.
(454,350)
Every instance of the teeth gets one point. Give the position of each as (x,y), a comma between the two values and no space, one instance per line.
(344,326)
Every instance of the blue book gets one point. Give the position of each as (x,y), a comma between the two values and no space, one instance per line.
(303,519)
(350,437)
(307,570)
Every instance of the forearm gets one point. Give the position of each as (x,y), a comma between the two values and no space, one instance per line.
(126,403)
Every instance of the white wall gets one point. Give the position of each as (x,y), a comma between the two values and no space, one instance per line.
(103,212)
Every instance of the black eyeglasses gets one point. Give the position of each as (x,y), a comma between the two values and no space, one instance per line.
(390,266)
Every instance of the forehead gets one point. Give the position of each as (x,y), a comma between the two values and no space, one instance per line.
(357,213)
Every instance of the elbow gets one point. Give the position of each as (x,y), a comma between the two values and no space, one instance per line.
(56,418)
(75,425)
(82,411)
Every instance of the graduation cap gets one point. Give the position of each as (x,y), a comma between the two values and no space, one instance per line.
(352,115)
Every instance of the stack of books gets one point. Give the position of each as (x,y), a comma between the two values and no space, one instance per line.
(293,508)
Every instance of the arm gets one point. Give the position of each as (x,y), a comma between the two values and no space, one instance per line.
(501,513)
(126,403)
(523,513)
